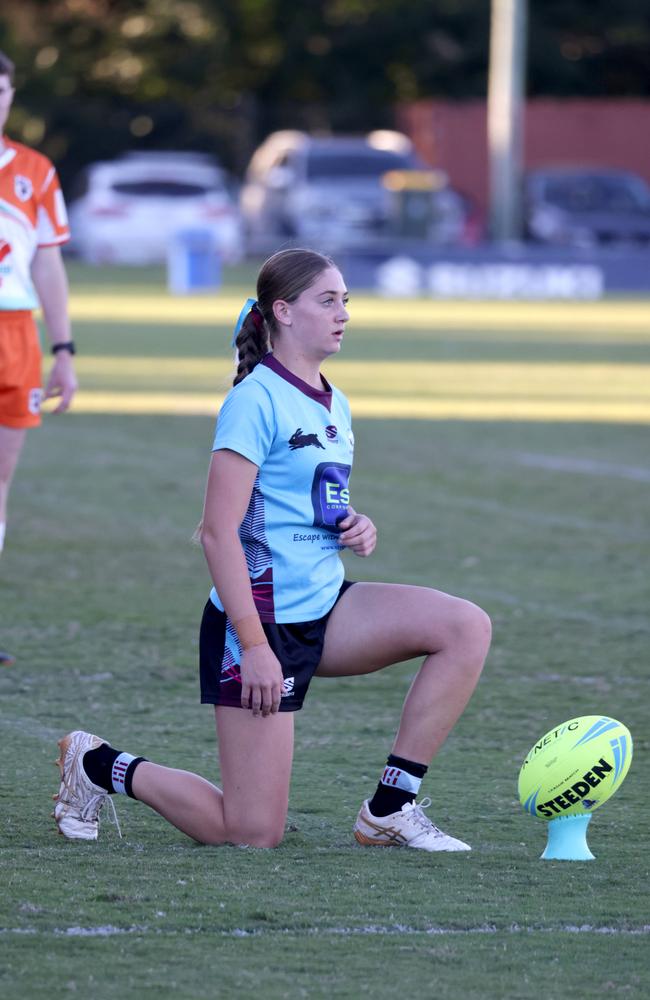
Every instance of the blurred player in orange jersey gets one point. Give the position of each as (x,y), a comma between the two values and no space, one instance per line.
(33,225)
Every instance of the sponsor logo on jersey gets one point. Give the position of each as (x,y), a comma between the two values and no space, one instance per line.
(330,494)
(331,432)
(300,440)
(23,187)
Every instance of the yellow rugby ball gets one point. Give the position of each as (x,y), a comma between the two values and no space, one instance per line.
(575,767)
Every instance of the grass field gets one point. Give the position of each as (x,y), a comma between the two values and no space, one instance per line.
(503,452)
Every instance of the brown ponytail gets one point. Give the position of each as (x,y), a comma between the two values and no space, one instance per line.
(252,344)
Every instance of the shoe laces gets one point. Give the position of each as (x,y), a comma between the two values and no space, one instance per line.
(114,818)
(93,807)
(416,815)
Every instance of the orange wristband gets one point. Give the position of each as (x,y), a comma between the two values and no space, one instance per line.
(250,632)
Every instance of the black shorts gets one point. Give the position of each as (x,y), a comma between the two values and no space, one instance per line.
(298,647)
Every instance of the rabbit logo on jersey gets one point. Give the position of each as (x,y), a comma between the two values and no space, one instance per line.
(330,494)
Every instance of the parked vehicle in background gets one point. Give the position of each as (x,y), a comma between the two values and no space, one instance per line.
(459,220)
(586,207)
(126,210)
(331,191)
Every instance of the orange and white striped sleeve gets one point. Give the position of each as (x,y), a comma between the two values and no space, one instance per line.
(52,219)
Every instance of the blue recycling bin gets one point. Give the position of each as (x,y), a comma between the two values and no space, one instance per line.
(193,262)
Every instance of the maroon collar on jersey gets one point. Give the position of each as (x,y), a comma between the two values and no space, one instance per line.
(323,396)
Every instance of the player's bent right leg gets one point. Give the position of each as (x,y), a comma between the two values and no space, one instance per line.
(375,625)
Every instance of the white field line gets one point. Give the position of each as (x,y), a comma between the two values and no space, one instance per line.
(380,930)
(398,930)
(583,466)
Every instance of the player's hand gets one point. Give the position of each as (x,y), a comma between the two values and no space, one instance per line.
(261,680)
(358,533)
(62,381)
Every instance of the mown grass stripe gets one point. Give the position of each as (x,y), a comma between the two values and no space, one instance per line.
(382,408)
(612,318)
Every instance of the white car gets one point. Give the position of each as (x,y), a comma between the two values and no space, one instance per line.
(126,211)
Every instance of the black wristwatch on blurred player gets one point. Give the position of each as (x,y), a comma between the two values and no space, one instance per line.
(65,345)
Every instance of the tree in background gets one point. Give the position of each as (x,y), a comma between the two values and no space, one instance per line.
(96,77)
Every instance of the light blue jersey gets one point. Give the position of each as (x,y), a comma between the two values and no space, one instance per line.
(301,440)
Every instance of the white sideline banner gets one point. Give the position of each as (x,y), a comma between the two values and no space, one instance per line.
(405,277)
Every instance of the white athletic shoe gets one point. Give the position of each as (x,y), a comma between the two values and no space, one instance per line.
(79,802)
(407,828)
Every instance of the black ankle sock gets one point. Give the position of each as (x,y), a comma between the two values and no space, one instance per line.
(98,765)
(393,791)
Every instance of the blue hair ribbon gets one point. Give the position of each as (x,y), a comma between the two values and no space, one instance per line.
(246,308)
